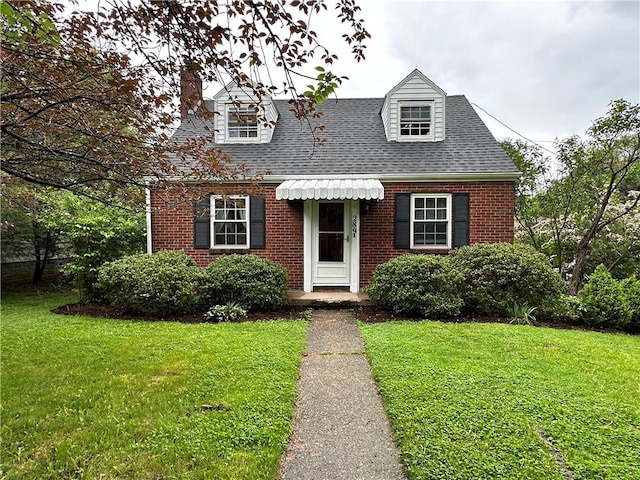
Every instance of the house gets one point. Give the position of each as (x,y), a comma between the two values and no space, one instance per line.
(415,171)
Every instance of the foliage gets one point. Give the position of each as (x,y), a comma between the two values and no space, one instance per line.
(568,307)
(521,314)
(479,394)
(254,282)
(588,213)
(89,89)
(631,286)
(225,313)
(95,234)
(101,398)
(25,232)
(163,283)
(604,302)
(417,285)
(498,275)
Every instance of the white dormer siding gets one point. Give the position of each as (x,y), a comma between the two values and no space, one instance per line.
(419,97)
(225,101)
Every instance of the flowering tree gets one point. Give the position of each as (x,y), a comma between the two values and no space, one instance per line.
(594,199)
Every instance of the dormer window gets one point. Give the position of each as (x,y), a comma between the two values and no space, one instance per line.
(416,120)
(242,123)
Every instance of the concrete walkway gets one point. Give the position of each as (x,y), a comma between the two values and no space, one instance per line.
(340,429)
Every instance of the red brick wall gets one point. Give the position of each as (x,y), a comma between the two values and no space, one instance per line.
(172,227)
(491,220)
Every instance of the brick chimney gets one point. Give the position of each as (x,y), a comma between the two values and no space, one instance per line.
(190,91)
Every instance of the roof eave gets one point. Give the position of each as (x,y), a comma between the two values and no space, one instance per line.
(413,177)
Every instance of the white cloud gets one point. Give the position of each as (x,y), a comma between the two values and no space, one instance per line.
(547,69)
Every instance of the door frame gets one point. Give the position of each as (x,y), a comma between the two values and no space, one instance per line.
(352,214)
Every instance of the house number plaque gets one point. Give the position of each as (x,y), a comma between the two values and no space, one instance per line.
(354,226)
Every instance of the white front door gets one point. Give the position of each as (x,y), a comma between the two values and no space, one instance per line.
(332,243)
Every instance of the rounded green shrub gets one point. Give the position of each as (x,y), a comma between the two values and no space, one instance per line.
(499,275)
(604,302)
(162,283)
(417,285)
(256,283)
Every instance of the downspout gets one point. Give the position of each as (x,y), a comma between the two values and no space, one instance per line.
(148,212)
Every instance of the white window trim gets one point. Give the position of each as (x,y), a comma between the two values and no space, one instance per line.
(449,220)
(416,138)
(229,138)
(212,222)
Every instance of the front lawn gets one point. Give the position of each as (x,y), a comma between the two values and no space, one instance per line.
(99,398)
(471,401)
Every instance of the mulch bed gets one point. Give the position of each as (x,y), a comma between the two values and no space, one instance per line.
(368,314)
(122,313)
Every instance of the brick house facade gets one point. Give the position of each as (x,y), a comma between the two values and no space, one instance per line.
(421,173)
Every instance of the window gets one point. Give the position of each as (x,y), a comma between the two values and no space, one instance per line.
(242,123)
(430,221)
(415,120)
(229,226)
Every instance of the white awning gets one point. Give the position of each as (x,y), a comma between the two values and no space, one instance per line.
(331,189)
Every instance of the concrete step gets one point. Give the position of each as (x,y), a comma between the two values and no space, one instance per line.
(328,299)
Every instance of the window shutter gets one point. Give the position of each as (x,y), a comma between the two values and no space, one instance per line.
(460,219)
(256,219)
(202,223)
(403,221)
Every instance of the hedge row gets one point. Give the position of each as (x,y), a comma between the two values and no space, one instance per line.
(169,282)
(486,279)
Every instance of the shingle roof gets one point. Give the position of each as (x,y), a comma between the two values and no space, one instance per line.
(356,144)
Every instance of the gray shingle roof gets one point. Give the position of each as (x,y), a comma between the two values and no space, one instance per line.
(356,144)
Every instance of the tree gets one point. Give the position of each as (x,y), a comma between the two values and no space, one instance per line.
(593,199)
(89,97)
(607,168)
(24,231)
(94,233)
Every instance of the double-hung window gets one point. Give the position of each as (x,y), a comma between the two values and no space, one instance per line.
(229,222)
(430,221)
(415,120)
(242,123)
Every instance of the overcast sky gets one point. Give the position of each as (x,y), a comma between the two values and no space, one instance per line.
(545,68)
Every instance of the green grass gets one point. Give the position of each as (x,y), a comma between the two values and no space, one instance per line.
(466,401)
(99,398)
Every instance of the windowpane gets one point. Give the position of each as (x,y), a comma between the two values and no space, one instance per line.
(242,122)
(415,120)
(430,221)
(230,222)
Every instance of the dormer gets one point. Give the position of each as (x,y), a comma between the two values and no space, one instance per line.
(413,111)
(240,118)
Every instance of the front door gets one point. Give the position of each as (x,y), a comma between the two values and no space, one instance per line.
(331,245)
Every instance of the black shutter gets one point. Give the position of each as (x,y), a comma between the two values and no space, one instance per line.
(202,223)
(256,220)
(403,221)
(460,219)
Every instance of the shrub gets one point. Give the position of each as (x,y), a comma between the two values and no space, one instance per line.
(417,285)
(631,286)
(167,282)
(255,283)
(499,275)
(604,302)
(225,313)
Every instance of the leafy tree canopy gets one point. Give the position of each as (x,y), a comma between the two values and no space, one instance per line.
(89,95)
(588,212)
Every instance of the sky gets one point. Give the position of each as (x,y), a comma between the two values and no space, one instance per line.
(546,69)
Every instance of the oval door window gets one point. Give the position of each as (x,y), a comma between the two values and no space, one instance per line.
(331,232)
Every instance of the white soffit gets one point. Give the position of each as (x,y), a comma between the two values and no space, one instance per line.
(331,189)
